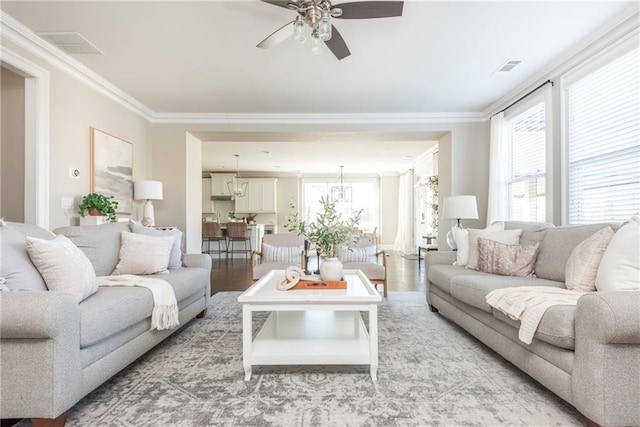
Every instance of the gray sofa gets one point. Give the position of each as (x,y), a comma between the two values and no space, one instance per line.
(55,351)
(588,354)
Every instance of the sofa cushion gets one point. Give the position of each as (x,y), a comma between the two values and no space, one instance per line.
(64,267)
(506,260)
(620,265)
(144,254)
(556,326)
(440,275)
(100,243)
(373,271)
(473,289)
(175,260)
(15,265)
(582,265)
(556,247)
(114,309)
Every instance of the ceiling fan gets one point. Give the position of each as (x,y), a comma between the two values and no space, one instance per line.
(317,15)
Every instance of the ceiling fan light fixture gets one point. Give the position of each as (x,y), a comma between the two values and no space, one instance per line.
(316,43)
(298,30)
(324,27)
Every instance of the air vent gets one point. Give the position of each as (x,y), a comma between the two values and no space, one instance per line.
(72,43)
(508,66)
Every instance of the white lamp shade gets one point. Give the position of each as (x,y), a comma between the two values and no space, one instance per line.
(460,207)
(147,190)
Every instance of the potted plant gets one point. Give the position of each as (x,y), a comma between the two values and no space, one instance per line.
(328,233)
(96,204)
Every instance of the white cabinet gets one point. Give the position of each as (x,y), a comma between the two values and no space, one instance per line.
(260,197)
(207,204)
(219,185)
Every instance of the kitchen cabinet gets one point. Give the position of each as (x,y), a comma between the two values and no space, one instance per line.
(260,197)
(219,185)
(207,204)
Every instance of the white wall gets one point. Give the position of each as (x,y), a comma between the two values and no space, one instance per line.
(193,193)
(12,148)
(74,109)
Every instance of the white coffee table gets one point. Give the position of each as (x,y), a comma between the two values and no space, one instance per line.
(311,327)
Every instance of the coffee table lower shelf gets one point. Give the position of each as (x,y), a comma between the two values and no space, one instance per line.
(312,337)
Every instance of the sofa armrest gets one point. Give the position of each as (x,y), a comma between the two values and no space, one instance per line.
(606,374)
(197,261)
(439,257)
(40,364)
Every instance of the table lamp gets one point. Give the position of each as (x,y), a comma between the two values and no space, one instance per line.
(458,207)
(147,190)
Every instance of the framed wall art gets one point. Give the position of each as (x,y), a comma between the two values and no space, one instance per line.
(112,169)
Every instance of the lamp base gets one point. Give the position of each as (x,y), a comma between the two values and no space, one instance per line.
(451,241)
(147,214)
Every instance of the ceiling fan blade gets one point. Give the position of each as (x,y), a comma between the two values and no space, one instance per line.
(370,9)
(280,3)
(277,36)
(337,45)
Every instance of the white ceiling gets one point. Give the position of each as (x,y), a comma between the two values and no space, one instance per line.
(439,57)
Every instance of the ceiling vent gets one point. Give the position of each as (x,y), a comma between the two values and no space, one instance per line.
(70,42)
(508,66)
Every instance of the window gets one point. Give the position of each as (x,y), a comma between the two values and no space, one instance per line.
(603,141)
(364,196)
(525,134)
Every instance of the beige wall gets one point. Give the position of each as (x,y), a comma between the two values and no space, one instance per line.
(12,95)
(74,109)
(288,189)
(389,191)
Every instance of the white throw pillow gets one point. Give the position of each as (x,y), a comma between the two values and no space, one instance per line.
(582,265)
(142,254)
(620,265)
(461,237)
(508,237)
(64,267)
(175,260)
(289,254)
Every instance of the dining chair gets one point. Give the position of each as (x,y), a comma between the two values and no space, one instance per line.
(212,232)
(238,232)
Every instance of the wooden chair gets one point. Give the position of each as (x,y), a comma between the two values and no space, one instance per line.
(211,232)
(277,252)
(365,256)
(238,232)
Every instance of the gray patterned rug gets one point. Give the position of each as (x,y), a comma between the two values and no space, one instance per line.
(431,373)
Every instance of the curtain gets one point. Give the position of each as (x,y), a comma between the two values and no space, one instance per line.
(405,240)
(498,164)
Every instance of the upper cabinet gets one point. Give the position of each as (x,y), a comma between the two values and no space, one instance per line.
(219,185)
(260,197)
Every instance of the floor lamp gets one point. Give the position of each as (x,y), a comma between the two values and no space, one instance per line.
(458,207)
(147,190)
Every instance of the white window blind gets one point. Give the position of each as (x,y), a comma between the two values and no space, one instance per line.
(526,139)
(603,142)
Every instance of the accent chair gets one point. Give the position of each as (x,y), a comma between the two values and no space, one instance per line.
(364,255)
(277,252)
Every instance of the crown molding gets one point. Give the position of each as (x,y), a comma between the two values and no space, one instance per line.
(18,33)
(326,118)
(627,23)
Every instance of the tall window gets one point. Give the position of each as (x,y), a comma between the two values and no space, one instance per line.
(603,141)
(525,134)
(364,196)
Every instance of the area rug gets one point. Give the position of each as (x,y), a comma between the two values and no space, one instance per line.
(431,373)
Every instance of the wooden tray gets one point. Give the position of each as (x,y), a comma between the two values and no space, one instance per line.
(315,285)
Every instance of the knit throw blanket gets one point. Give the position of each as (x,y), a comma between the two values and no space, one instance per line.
(529,303)
(165,307)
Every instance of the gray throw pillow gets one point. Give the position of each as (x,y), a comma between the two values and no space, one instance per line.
(506,260)
(175,260)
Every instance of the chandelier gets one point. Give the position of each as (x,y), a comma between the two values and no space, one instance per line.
(317,15)
(341,193)
(237,188)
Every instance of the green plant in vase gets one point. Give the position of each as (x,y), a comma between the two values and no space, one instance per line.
(96,204)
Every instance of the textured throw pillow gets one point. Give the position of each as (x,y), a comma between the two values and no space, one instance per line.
(64,267)
(142,254)
(175,260)
(508,237)
(289,254)
(506,260)
(461,237)
(15,266)
(620,265)
(582,265)
(361,254)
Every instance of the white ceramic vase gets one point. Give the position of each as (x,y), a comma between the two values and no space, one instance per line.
(331,269)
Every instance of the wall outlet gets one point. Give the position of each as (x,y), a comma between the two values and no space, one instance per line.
(74,173)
